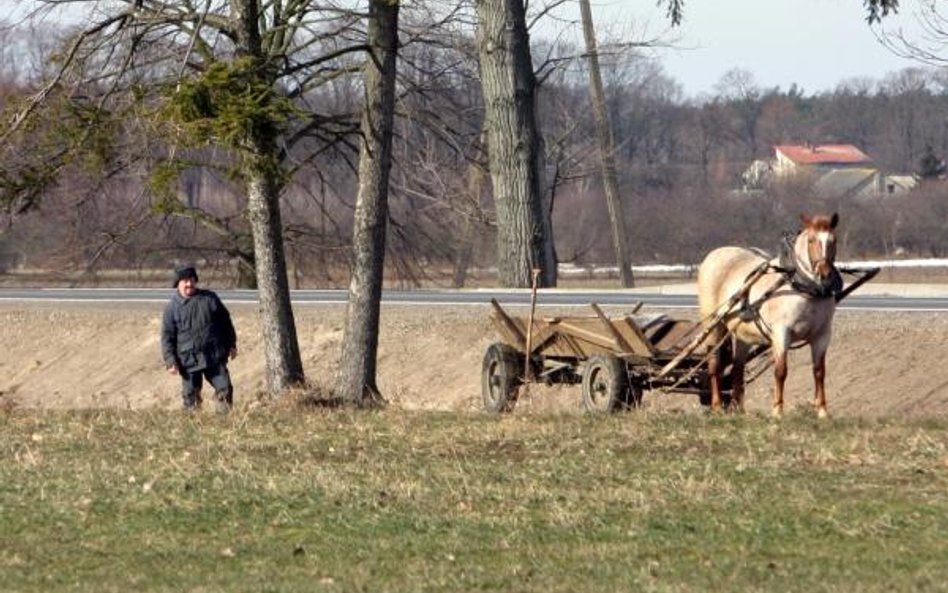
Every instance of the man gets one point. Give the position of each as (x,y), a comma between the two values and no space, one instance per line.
(197,339)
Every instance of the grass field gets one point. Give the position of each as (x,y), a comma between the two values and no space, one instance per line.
(283,499)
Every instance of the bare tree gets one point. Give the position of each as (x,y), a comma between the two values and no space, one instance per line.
(524,227)
(930,47)
(437,217)
(222,73)
(742,101)
(606,150)
(258,145)
(356,381)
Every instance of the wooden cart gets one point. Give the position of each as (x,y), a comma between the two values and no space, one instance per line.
(615,359)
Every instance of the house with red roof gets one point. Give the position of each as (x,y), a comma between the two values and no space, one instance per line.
(837,170)
(790,159)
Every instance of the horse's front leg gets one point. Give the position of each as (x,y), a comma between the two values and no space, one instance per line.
(818,353)
(780,373)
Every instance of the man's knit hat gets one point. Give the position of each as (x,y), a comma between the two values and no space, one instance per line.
(182,272)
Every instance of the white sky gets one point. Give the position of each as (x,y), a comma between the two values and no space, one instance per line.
(813,43)
(9,8)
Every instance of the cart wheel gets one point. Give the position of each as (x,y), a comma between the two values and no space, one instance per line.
(502,374)
(606,385)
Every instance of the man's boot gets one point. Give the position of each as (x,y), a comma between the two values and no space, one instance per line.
(225,401)
(192,402)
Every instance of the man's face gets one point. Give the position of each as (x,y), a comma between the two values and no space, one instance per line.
(187,287)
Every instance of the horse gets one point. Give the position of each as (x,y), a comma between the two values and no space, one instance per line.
(790,303)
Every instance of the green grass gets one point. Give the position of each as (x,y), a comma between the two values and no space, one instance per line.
(311,500)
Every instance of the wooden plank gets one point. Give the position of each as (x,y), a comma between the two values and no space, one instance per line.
(640,344)
(504,322)
(593,337)
(572,344)
(627,335)
(672,334)
(617,339)
(541,336)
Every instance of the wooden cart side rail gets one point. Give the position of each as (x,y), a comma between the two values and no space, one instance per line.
(571,343)
(641,344)
(671,335)
(573,330)
(507,326)
(512,331)
(620,337)
(626,334)
(586,339)
(542,338)
(618,341)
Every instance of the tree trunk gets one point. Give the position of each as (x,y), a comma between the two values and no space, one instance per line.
(607,160)
(524,236)
(284,367)
(355,382)
(246,269)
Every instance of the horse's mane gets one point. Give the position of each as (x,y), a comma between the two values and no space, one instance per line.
(821,222)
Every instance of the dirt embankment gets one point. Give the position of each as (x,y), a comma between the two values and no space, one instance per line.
(73,355)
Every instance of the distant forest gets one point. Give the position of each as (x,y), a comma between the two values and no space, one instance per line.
(679,160)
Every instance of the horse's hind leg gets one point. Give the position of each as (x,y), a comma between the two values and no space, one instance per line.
(715,364)
(740,350)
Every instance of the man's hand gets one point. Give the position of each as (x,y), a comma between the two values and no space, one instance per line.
(232,354)
(173,370)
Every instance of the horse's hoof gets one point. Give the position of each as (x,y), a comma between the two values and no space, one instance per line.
(777,413)
(734,407)
(822,414)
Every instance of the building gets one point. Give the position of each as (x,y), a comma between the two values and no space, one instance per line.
(836,170)
(791,159)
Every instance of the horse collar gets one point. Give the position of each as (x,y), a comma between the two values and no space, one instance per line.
(789,266)
(830,287)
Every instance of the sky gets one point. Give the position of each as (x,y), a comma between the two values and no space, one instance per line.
(813,43)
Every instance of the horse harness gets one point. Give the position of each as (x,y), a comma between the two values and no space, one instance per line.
(788,267)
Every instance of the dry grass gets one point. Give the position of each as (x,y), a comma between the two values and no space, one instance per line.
(284,499)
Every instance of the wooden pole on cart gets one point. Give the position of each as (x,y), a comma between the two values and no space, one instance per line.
(867,275)
(528,368)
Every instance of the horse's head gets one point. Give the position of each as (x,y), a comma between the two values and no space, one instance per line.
(816,243)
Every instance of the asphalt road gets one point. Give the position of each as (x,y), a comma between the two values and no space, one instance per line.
(920,298)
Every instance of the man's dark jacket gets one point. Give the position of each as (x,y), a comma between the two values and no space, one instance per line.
(196,332)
